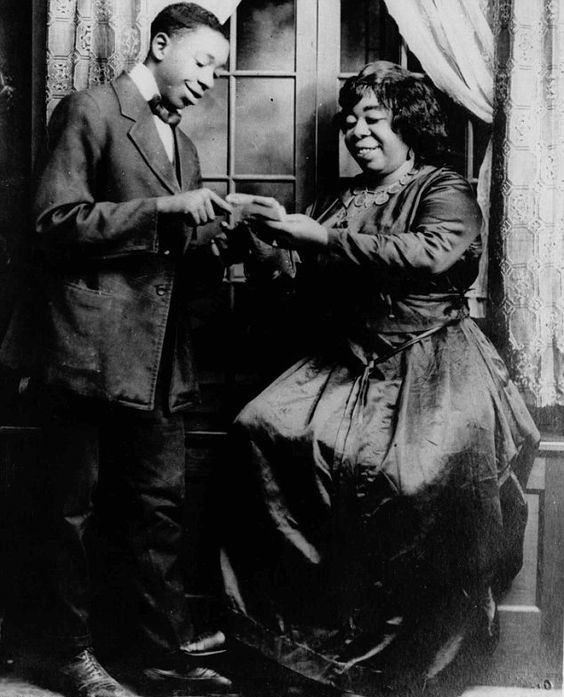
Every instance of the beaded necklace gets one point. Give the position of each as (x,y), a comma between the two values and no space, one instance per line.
(365,197)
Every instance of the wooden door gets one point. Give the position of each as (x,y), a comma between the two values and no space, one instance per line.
(256,133)
(531,614)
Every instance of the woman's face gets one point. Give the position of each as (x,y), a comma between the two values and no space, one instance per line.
(370,139)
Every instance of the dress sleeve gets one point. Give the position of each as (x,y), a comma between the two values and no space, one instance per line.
(69,220)
(446,222)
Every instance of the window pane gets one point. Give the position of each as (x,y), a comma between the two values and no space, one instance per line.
(264,126)
(367,33)
(266,35)
(206,124)
(353,36)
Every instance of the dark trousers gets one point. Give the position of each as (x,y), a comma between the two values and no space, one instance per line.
(140,456)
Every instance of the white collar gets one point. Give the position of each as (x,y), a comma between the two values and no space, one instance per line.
(144,80)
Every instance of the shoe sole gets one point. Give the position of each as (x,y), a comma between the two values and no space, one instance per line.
(164,676)
(200,654)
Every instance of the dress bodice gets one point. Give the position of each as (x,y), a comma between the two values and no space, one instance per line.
(403,265)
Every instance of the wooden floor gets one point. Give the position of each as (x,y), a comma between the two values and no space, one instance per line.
(251,678)
(15,687)
(18,678)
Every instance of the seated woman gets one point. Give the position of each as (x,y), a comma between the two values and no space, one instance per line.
(376,512)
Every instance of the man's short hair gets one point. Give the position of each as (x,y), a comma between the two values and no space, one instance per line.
(184,16)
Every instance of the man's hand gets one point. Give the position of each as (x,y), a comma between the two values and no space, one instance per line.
(297,231)
(200,206)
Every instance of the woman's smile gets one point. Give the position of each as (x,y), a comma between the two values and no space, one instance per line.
(366,151)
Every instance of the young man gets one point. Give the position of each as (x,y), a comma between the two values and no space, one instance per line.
(107,341)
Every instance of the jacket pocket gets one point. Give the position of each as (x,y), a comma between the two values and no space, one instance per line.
(74,320)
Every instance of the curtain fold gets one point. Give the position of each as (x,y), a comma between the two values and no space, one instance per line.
(527,251)
(92,41)
(453,41)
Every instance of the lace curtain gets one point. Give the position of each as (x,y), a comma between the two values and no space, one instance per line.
(92,41)
(453,41)
(455,45)
(527,251)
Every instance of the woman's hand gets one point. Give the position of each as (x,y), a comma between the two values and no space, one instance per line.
(297,231)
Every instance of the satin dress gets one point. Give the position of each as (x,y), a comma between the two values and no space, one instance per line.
(377,511)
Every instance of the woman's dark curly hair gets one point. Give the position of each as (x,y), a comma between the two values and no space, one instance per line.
(416,114)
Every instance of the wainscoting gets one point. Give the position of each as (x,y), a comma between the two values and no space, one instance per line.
(531,615)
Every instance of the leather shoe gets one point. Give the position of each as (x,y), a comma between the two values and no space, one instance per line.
(206,644)
(192,678)
(83,676)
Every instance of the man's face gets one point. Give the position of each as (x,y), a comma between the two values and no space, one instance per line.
(186,64)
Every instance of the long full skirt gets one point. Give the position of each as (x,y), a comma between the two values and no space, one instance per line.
(377,512)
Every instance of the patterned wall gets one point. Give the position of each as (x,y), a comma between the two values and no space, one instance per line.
(92,41)
(527,240)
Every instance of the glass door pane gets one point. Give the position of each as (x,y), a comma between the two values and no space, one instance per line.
(367,34)
(266,35)
(207,124)
(264,126)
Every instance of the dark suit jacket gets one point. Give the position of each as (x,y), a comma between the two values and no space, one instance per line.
(95,323)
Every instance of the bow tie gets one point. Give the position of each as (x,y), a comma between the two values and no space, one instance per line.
(172,118)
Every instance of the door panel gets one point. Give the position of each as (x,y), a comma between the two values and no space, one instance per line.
(531,617)
(255,133)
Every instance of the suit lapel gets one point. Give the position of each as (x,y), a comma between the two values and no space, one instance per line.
(143,132)
(146,138)
(188,168)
